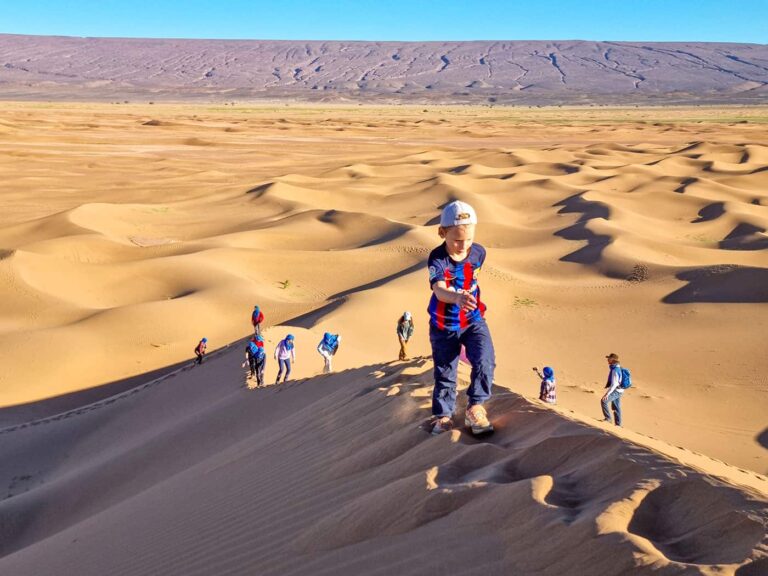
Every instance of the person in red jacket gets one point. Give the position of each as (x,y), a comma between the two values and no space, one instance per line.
(200,350)
(257,317)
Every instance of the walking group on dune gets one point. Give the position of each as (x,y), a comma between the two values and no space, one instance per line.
(457,332)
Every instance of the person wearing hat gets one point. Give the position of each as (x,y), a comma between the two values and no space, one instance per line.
(547,392)
(284,353)
(200,350)
(404,333)
(327,348)
(456,318)
(613,391)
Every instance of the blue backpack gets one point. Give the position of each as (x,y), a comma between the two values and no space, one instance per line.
(331,341)
(256,351)
(626,378)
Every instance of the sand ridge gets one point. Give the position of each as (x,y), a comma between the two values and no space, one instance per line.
(281,480)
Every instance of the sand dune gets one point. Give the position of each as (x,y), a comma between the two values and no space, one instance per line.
(129,232)
(196,474)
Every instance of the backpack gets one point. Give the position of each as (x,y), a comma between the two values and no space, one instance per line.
(331,342)
(255,350)
(626,378)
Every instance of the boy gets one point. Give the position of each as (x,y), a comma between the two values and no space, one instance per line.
(455,318)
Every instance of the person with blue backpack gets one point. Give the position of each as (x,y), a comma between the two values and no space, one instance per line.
(327,348)
(284,353)
(256,359)
(619,379)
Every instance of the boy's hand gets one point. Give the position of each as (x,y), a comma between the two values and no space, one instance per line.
(466,301)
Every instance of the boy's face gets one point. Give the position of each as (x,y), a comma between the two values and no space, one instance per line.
(458,239)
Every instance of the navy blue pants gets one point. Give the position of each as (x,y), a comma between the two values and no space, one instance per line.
(283,364)
(446,347)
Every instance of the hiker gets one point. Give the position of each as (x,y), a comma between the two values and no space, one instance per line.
(456,317)
(404,333)
(614,390)
(256,359)
(547,391)
(257,317)
(327,348)
(284,353)
(200,350)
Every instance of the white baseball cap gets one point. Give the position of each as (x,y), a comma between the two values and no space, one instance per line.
(458,213)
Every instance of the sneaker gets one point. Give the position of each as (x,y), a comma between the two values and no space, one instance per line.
(477,420)
(441,424)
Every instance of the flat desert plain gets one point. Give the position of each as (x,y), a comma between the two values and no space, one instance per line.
(130,231)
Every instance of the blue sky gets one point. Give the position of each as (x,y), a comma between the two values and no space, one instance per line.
(648,20)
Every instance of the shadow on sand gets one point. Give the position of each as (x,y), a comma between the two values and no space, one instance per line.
(724,284)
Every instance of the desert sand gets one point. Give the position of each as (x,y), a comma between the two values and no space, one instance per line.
(128,232)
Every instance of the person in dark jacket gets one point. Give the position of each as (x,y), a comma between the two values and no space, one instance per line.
(404,333)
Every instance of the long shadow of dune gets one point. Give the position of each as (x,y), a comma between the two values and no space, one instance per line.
(762,438)
(14,415)
(745,237)
(684,183)
(596,243)
(710,212)
(724,284)
(260,190)
(312,317)
(387,237)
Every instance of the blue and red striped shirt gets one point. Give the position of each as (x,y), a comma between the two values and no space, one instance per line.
(458,276)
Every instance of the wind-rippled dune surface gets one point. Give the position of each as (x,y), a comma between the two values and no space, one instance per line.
(332,475)
(129,232)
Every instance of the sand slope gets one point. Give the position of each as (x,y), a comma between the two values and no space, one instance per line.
(196,474)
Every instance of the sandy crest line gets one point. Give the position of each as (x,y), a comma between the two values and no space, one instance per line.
(702,463)
(111,399)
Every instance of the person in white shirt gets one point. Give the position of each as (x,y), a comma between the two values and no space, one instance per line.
(284,353)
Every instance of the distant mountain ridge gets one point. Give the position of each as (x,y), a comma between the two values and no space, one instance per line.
(508,72)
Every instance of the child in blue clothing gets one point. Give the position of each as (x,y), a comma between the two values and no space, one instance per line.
(284,353)
(456,318)
(547,392)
